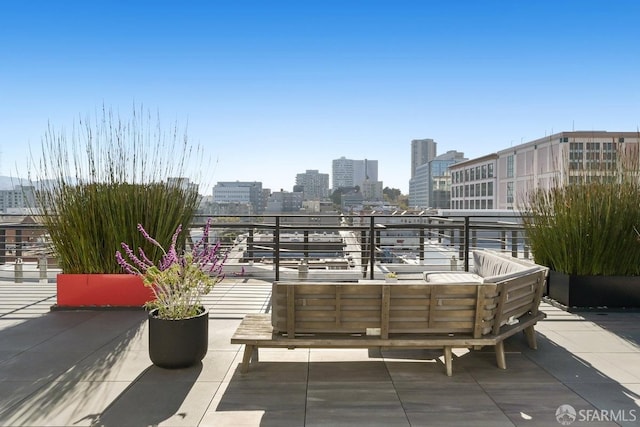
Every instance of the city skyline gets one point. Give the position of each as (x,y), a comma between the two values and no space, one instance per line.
(273,89)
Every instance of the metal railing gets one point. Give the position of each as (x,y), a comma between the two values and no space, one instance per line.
(277,245)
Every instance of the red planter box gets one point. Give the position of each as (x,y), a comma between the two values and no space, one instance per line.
(102,290)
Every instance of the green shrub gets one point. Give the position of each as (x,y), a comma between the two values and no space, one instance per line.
(588,227)
(93,190)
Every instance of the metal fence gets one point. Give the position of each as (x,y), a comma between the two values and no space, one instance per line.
(277,244)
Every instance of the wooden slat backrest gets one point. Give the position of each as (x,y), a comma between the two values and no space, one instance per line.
(453,308)
(291,312)
(461,308)
(326,307)
(338,300)
(384,311)
(480,304)
(518,296)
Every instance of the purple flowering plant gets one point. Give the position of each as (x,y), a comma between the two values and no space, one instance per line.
(178,280)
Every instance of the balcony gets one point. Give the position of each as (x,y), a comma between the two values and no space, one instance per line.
(78,368)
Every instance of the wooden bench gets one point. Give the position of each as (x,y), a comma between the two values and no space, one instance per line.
(402,315)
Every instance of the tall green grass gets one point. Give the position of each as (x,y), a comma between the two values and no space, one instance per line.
(94,186)
(587,227)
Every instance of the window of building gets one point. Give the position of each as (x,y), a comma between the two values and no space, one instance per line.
(490,189)
(477,189)
(484,189)
(483,204)
(466,174)
(576,155)
(510,166)
(490,170)
(471,190)
(484,171)
(510,192)
(466,204)
(477,172)
(473,174)
(490,204)
(609,155)
(477,204)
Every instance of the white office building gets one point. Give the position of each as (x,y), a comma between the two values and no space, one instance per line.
(350,173)
(503,180)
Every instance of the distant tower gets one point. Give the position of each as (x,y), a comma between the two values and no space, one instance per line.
(422,152)
(349,172)
(313,184)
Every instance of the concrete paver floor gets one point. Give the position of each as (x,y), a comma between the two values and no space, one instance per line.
(91,368)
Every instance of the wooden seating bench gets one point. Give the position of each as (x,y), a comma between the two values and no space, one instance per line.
(399,315)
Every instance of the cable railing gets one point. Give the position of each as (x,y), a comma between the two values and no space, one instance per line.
(281,247)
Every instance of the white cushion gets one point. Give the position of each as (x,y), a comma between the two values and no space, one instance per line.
(452,277)
(501,277)
(487,264)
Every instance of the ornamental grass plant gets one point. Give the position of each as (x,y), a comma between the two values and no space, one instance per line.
(587,227)
(93,185)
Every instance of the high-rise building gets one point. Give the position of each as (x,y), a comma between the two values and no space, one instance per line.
(430,186)
(422,151)
(21,198)
(350,173)
(313,184)
(240,192)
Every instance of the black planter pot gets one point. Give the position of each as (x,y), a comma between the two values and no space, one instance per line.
(594,291)
(178,343)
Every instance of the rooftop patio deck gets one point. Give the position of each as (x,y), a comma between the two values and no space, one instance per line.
(84,368)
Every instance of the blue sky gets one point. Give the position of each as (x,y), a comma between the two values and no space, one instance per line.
(273,88)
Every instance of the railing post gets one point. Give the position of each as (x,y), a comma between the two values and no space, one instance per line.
(18,242)
(364,253)
(303,270)
(514,243)
(372,246)
(18,271)
(503,240)
(466,243)
(3,245)
(306,244)
(421,245)
(474,239)
(276,247)
(250,253)
(42,266)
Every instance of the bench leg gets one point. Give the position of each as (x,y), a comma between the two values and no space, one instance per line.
(249,351)
(530,333)
(501,361)
(448,361)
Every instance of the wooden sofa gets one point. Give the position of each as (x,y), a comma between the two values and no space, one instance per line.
(407,314)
